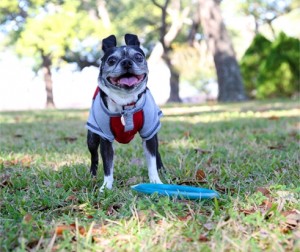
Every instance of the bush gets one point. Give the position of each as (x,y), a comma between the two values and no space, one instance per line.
(271,69)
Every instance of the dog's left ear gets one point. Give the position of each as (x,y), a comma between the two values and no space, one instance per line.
(109,42)
(132,40)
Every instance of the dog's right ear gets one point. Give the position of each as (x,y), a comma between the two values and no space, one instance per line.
(131,39)
(109,42)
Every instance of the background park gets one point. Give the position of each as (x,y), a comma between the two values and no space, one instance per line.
(227,77)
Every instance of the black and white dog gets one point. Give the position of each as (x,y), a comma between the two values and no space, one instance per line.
(122,106)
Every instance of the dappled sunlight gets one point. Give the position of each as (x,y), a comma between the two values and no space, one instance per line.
(219,113)
(185,143)
(231,148)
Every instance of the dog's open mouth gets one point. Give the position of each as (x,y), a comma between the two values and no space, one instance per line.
(127,80)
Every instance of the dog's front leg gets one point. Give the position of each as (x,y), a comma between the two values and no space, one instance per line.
(93,141)
(153,159)
(107,154)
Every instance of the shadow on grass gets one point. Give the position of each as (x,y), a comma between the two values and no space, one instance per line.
(228,150)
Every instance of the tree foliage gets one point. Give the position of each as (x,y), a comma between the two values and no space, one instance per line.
(56,32)
(266,11)
(56,29)
(271,69)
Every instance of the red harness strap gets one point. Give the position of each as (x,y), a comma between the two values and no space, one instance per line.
(96,92)
(118,129)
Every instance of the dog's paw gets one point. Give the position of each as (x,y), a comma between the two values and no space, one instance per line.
(156,181)
(107,183)
(104,187)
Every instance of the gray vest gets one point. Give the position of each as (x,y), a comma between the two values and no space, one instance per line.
(102,122)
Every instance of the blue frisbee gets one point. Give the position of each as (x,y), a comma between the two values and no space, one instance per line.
(177,191)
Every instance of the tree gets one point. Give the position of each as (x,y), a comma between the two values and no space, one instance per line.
(167,34)
(47,30)
(230,82)
(271,69)
(265,12)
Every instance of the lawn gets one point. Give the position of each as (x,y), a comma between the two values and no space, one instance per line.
(248,152)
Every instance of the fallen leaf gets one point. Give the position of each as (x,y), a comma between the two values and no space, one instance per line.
(18,135)
(81,230)
(265,191)
(203,238)
(5,180)
(24,161)
(276,147)
(27,218)
(113,209)
(59,185)
(247,211)
(68,139)
(61,228)
(189,239)
(209,162)
(273,118)
(185,218)
(72,227)
(266,205)
(286,213)
(223,189)
(292,221)
(201,151)
(71,198)
(200,175)
(187,134)
(11,162)
(32,244)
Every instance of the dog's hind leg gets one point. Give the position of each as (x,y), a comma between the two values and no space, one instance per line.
(153,159)
(107,154)
(93,142)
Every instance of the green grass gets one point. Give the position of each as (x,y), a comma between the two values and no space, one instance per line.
(248,152)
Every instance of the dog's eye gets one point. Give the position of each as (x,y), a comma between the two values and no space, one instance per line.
(139,57)
(111,61)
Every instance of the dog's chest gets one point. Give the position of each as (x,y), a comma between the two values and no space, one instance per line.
(113,107)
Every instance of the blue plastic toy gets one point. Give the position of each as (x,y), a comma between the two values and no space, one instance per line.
(178,191)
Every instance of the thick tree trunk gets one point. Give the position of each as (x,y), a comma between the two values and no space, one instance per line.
(230,82)
(174,82)
(167,35)
(48,80)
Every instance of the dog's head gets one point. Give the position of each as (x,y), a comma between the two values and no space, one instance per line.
(123,70)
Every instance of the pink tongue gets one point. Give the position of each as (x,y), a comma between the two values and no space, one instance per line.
(128,81)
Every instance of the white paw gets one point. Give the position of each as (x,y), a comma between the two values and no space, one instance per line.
(156,181)
(108,182)
(103,187)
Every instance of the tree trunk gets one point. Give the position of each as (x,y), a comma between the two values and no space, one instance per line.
(230,82)
(174,81)
(167,35)
(46,67)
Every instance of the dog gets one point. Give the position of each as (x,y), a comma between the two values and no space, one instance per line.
(122,106)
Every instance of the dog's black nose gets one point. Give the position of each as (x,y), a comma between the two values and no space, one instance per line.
(126,64)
